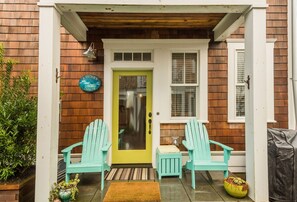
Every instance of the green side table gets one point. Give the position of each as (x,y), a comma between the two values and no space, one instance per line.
(169,161)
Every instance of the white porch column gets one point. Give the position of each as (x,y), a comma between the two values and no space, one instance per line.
(48,102)
(293,29)
(256,120)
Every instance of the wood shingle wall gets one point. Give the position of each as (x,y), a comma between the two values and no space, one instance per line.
(19,21)
(19,34)
(219,129)
(78,108)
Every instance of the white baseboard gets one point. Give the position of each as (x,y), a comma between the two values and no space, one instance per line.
(236,162)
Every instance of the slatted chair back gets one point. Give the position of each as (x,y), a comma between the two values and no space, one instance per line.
(198,146)
(95,138)
(197,138)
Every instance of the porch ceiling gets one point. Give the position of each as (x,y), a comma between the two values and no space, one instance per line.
(222,18)
(151,20)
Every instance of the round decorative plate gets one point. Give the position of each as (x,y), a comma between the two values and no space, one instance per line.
(89,83)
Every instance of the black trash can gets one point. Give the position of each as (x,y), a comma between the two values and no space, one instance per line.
(282,165)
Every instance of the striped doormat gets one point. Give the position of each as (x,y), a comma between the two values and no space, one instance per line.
(130,174)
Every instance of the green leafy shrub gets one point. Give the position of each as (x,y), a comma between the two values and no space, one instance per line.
(18,121)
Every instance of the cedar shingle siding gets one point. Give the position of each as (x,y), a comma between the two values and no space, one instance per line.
(19,34)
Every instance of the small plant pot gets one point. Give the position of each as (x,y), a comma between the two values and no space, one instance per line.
(65,191)
(236,187)
(65,195)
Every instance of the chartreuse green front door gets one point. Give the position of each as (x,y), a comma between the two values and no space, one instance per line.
(132,117)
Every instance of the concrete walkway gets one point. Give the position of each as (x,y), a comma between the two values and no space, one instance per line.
(172,188)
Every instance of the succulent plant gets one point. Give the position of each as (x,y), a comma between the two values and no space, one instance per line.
(238,181)
(235,186)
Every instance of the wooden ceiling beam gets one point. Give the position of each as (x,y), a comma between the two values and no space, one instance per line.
(153,20)
(153,26)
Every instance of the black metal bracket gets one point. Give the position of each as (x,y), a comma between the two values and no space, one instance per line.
(57,75)
(248,82)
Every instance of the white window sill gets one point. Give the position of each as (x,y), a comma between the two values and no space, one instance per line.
(243,121)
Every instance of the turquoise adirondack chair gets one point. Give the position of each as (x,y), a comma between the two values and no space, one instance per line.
(198,146)
(94,151)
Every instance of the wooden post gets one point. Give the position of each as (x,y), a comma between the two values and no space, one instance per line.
(48,101)
(256,116)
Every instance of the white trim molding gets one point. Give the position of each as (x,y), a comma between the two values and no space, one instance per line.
(227,26)
(236,162)
(73,24)
(156,6)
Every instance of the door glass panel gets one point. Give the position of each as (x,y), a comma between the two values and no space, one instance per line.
(132,113)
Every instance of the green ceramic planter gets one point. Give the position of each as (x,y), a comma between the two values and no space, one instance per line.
(65,195)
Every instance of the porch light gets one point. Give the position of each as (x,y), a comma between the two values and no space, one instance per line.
(91,52)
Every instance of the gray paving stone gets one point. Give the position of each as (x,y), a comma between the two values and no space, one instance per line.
(172,189)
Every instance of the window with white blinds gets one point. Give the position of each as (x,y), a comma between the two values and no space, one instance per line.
(236,85)
(240,106)
(184,84)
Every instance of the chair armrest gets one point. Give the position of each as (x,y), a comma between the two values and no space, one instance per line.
(190,151)
(106,147)
(225,147)
(227,150)
(68,149)
(67,152)
(104,150)
(188,147)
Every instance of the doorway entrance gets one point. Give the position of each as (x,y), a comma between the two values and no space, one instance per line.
(132,117)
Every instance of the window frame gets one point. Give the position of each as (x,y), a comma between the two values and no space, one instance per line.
(234,46)
(201,84)
(184,84)
(132,52)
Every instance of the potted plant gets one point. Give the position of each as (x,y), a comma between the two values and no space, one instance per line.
(18,123)
(64,191)
(236,187)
